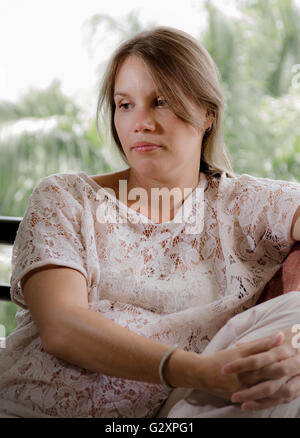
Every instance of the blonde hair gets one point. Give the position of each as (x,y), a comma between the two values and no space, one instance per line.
(183,72)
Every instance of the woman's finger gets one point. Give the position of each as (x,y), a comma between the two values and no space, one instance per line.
(264,360)
(262,344)
(251,359)
(288,367)
(286,394)
(260,405)
(261,391)
(249,363)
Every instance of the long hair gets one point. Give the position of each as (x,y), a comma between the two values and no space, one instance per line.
(185,74)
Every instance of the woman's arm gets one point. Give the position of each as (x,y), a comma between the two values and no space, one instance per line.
(57,300)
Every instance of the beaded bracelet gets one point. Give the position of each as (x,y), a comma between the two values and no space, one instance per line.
(162,364)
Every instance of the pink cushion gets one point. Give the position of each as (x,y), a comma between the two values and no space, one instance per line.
(286,279)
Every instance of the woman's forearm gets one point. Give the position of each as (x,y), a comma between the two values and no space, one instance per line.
(89,340)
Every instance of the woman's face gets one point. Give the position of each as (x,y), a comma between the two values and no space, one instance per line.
(141,115)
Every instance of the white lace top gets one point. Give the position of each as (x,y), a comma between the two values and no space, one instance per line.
(153,278)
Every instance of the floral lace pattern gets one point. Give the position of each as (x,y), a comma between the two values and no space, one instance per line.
(153,278)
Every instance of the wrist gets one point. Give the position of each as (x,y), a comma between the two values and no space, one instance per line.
(185,369)
(162,365)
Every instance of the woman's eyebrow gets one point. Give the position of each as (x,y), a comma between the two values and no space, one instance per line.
(120,93)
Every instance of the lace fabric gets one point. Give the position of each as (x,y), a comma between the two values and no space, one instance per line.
(155,279)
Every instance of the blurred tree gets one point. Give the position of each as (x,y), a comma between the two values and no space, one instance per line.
(274,31)
(39,104)
(255,55)
(42,134)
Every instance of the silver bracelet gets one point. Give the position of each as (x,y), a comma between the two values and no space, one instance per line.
(162,364)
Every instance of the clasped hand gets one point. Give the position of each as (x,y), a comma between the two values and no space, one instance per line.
(268,370)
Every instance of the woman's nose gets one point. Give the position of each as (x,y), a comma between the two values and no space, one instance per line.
(144,120)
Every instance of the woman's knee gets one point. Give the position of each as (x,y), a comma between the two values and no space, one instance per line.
(292,295)
(290,300)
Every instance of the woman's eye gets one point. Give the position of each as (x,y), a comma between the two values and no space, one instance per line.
(124,105)
(161,101)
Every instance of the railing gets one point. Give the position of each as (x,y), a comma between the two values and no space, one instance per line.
(8,230)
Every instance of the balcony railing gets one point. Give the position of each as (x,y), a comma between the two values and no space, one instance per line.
(8,230)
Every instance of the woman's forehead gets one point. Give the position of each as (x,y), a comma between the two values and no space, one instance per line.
(133,65)
(127,82)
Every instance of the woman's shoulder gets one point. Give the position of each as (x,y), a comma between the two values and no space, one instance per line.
(246,181)
(110,180)
(60,180)
(76,187)
(73,183)
(63,189)
(244,191)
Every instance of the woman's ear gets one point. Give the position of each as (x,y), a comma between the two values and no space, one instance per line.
(209,119)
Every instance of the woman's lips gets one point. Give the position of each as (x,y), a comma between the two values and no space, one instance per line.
(146,148)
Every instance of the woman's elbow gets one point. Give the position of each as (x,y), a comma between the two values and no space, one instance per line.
(52,343)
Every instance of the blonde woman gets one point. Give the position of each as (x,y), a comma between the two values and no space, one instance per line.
(124,299)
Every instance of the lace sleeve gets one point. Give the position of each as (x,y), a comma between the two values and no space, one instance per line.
(50,233)
(270,205)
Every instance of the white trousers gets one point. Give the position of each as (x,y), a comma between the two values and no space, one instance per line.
(259,321)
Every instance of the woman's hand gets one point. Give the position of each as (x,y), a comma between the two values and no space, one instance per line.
(272,377)
(215,381)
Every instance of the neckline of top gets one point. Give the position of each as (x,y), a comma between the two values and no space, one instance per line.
(203,183)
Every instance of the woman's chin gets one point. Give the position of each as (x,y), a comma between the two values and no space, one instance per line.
(150,169)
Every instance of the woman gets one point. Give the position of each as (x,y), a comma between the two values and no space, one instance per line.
(119,299)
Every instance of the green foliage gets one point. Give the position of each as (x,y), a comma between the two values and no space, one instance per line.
(43,135)
(255,55)
(7,316)
(39,104)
